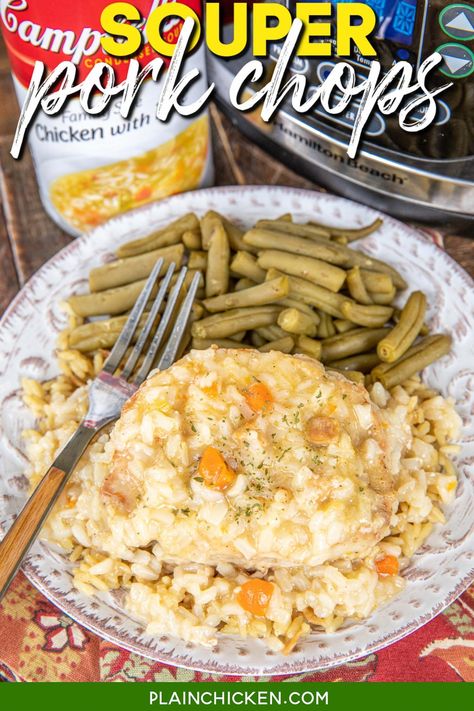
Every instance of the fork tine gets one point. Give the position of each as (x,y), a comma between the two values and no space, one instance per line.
(171,349)
(126,335)
(161,330)
(138,348)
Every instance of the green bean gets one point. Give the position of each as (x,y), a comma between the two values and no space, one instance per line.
(284,345)
(192,239)
(341,239)
(234,234)
(239,336)
(259,295)
(243,283)
(424,330)
(271,333)
(187,279)
(326,327)
(208,224)
(294,321)
(197,260)
(403,335)
(257,339)
(377,266)
(319,248)
(377,281)
(356,286)
(358,233)
(95,343)
(217,271)
(331,329)
(408,366)
(114,301)
(293,228)
(163,237)
(354,375)
(371,316)
(308,346)
(304,308)
(362,362)
(383,299)
(184,344)
(111,301)
(103,333)
(202,344)
(225,324)
(342,325)
(99,334)
(244,265)
(271,240)
(380,368)
(286,217)
(197,312)
(313,270)
(413,351)
(312,294)
(131,269)
(360,340)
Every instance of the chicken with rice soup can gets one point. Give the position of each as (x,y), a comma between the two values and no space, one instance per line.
(92,167)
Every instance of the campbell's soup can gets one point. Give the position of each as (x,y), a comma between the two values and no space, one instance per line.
(92,167)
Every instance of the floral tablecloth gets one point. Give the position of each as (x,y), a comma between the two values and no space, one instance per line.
(40,643)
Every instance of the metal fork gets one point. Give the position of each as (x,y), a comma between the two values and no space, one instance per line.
(107,394)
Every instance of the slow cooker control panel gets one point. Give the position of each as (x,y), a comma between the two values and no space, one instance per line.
(411,30)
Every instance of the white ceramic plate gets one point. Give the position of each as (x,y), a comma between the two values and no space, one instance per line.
(439,572)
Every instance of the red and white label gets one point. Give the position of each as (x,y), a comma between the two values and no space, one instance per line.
(53,32)
(92,167)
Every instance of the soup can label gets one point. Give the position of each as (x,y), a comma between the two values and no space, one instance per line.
(92,167)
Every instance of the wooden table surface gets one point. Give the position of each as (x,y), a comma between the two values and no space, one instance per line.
(28,237)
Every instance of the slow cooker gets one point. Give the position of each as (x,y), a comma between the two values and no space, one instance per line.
(426,176)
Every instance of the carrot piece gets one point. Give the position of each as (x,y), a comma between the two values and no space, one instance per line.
(254,596)
(143,194)
(387,566)
(211,390)
(214,470)
(258,397)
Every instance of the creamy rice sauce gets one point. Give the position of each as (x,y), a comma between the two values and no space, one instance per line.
(250,493)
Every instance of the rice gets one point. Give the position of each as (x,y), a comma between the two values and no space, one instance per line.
(197,601)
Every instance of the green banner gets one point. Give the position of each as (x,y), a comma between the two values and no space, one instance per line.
(231,695)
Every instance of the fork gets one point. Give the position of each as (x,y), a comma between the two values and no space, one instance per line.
(108,392)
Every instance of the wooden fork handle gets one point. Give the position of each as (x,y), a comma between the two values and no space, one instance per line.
(27,525)
(29,521)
